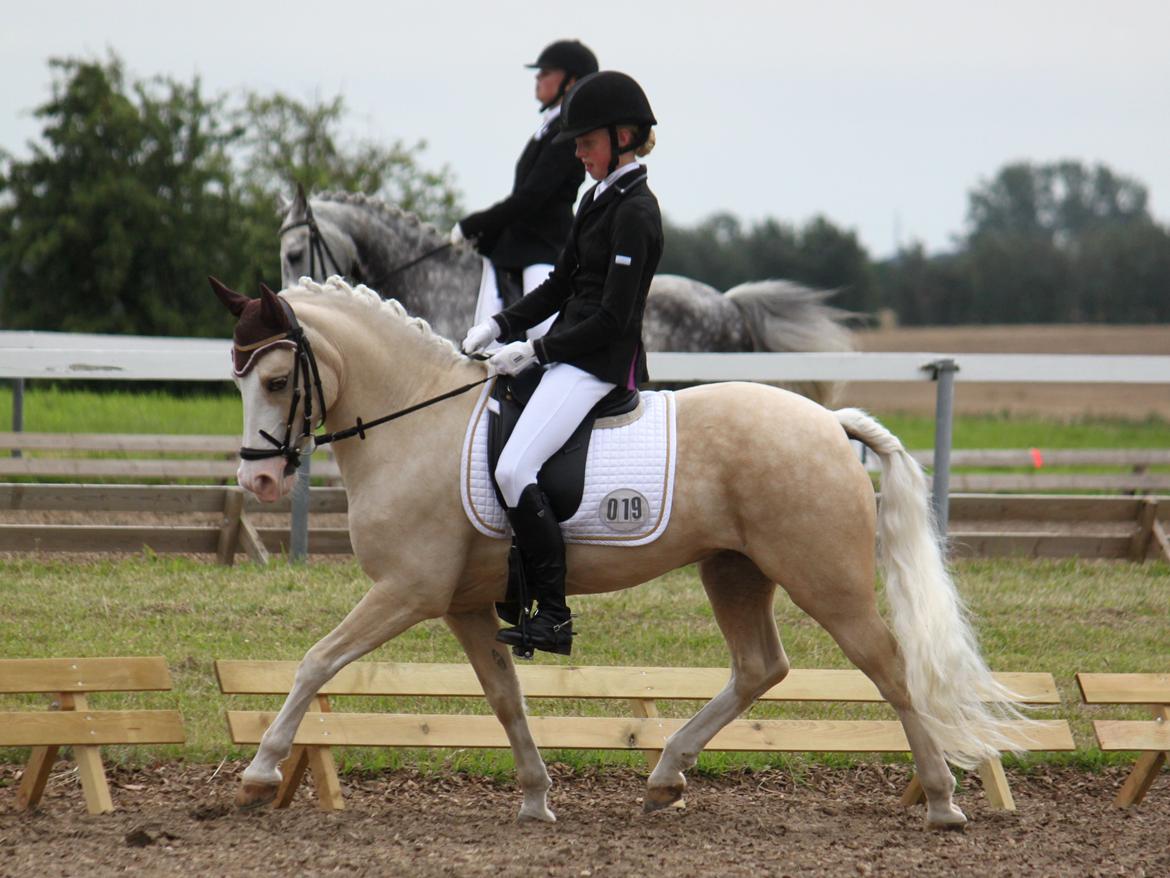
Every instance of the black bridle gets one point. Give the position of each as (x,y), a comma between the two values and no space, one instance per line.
(305,372)
(319,248)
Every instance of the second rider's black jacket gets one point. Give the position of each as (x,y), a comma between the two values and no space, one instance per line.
(599,285)
(530,226)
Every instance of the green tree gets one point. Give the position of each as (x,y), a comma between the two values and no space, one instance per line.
(1122,274)
(1064,242)
(923,289)
(112,223)
(140,189)
(1057,201)
(720,252)
(832,257)
(288,142)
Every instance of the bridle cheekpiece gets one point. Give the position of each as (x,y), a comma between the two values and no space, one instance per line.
(306,383)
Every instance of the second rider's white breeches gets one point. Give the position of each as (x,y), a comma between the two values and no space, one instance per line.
(534,276)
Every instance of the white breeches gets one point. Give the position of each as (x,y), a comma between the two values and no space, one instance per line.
(559,404)
(534,276)
(489,303)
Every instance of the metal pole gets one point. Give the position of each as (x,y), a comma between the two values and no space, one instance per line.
(17,409)
(299,531)
(944,376)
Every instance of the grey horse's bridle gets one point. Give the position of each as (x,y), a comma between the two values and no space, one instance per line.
(318,246)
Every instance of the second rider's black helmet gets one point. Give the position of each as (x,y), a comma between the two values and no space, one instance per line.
(571,56)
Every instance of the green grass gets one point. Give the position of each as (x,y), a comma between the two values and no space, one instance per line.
(1061,617)
(1003,431)
(57,409)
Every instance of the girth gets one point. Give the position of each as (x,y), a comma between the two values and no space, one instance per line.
(562,478)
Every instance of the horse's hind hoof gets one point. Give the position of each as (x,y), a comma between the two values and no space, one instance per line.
(658,798)
(252,795)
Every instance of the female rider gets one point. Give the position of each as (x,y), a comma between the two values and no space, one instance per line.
(523,234)
(599,286)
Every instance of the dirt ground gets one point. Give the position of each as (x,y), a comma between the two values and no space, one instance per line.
(178,820)
(1066,401)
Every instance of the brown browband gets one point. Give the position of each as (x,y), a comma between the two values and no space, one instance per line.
(244,348)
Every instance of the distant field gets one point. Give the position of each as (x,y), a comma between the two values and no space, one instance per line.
(1059,401)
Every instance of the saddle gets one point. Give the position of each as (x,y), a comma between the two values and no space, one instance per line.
(562,477)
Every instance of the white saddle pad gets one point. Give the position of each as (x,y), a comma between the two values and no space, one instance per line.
(629,478)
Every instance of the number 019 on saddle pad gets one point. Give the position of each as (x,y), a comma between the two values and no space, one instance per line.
(629,476)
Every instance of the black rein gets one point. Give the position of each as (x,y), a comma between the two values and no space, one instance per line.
(305,371)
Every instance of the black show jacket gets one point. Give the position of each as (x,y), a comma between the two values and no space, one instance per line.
(530,226)
(599,285)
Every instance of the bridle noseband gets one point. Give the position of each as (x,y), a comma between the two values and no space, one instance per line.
(305,371)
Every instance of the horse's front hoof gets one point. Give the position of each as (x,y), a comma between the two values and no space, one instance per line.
(948,818)
(536,815)
(253,794)
(658,798)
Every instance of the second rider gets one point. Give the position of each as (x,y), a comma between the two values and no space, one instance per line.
(599,285)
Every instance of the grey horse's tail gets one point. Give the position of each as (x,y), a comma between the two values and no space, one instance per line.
(783,317)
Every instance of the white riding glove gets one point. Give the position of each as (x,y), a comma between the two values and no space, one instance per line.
(513,358)
(480,336)
(456,235)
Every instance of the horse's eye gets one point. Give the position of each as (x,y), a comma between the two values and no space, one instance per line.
(294,255)
(275,384)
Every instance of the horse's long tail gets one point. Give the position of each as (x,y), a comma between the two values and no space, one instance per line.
(950,686)
(783,316)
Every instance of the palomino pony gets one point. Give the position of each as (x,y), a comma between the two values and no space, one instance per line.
(768,491)
(392,251)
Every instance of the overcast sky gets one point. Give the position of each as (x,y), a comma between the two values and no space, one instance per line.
(879,115)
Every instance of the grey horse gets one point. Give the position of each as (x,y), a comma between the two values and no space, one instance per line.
(392,251)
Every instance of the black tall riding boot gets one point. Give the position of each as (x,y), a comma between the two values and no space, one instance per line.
(538,534)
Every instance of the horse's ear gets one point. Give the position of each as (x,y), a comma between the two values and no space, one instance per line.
(300,201)
(232,300)
(271,313)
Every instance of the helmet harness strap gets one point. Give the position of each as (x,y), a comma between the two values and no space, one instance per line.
(615,150)
(556,99)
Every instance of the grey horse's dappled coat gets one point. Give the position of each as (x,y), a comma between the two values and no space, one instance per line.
(371,239)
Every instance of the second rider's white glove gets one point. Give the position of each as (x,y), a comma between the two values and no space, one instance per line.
(480,336)
(513,358)
(456,235)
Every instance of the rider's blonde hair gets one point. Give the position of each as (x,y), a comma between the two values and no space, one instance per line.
(643,150)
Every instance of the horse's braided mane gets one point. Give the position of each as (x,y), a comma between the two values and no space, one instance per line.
(337,288)
(393,214)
